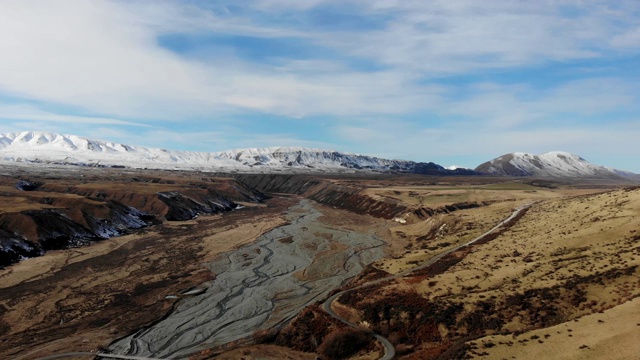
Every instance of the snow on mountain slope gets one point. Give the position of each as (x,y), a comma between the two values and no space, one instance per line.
(551,164)
(42,147)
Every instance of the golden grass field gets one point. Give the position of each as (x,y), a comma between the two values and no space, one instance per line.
(563,282)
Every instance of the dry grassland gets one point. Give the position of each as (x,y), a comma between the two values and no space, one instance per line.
(572,257)
(439,195)
(420,239)
(613,334)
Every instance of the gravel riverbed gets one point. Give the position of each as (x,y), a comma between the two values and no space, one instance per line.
(259,286)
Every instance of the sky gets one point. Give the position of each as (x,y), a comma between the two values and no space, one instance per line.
(456,82)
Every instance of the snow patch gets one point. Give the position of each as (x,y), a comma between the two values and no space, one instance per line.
(52,148)
(550,164)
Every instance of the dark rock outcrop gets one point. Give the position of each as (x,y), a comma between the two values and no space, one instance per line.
(32,232)
(28,186)
(57,231)
(14,248)
(349,199)
(431,168)
(121,219)
(425,212)
(183,208)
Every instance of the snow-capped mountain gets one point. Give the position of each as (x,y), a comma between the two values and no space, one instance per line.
(42,147)
(555,164)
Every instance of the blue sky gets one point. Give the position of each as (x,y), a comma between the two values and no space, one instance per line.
(454,82)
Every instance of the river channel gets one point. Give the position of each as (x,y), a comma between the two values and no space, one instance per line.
(259,286)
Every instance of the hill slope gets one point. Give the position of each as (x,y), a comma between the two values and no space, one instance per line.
(42,147)
(554,164)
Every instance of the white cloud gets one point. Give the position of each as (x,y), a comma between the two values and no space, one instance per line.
(89,54)
(510,106)
(207,141)
(444,37)
(104,57)
(629,39)
(28,112)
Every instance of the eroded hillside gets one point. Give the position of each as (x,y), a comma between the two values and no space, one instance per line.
(49,212)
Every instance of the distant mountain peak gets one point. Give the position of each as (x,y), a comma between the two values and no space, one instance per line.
(554,164)
(52,148)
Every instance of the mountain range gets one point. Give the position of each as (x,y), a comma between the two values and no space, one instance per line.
(43,147)
(52,148)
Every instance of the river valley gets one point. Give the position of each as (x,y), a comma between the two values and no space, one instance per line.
(260,285)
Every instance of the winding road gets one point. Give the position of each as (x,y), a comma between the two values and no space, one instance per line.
(389,349)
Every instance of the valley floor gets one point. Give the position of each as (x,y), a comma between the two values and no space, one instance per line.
(559,281)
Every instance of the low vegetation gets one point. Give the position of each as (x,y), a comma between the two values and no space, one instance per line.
(560,279)
(569,257)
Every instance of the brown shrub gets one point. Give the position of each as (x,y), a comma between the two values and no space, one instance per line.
(265,336)
(344,342)
(307,330)
(409,318)
(404,349)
